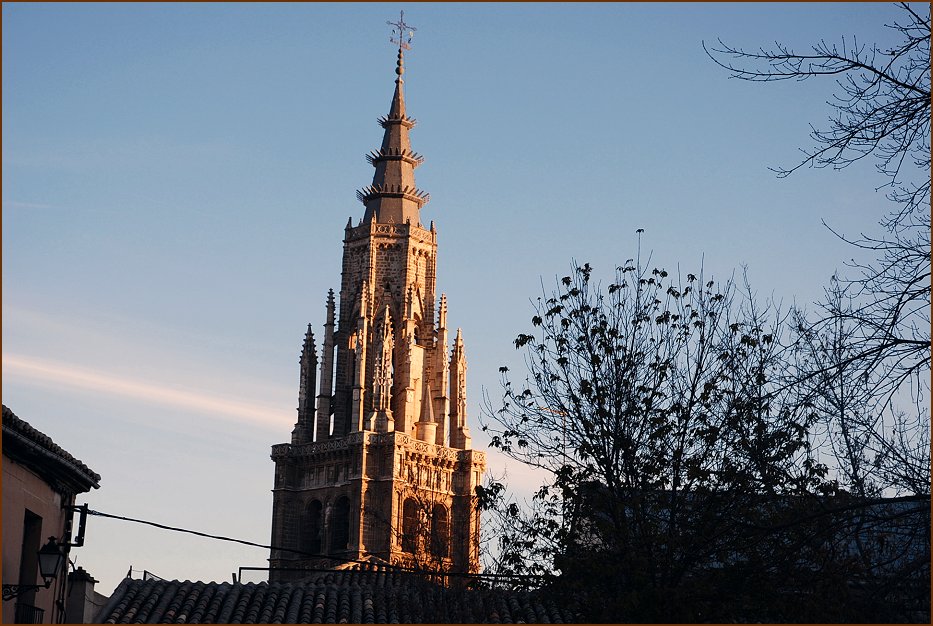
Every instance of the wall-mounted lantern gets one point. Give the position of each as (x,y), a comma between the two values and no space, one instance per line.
(51,558)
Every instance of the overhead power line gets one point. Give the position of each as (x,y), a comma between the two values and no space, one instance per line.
(302,552)
(219,537)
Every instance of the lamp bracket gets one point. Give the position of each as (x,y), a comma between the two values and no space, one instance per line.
(12,591)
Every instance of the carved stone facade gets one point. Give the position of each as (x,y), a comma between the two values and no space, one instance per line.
(381,466)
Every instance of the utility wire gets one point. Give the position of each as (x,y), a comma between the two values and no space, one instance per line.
(218,537)
(267,547)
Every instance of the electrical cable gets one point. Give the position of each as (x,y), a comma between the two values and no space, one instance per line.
(218,537)
(268,547)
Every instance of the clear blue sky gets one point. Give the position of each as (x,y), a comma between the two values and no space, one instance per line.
(176,179)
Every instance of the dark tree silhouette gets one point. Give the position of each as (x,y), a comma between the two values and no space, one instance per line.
(657,408)
(883,105)
(863,358)
(866,349)
(679,424)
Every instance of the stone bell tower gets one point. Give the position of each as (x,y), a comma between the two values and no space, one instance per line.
(380,467)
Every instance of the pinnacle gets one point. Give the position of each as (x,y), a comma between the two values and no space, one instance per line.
(308,349)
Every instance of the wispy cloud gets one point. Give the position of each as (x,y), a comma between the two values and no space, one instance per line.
(54,374)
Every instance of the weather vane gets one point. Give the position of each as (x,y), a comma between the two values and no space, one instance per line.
(401,27)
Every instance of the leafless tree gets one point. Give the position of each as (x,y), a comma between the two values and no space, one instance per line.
(880,449)
(863,356)
(883,105)
(876,381)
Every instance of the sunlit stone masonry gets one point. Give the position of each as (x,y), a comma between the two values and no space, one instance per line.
(380,465)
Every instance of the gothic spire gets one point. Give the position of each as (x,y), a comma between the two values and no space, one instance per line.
(304,427)
(393,197)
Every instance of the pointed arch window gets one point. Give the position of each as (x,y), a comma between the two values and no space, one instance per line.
(311,528)
(340,525)
(440,531)
(410,526)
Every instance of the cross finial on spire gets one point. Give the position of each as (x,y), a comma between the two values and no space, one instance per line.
(401,27)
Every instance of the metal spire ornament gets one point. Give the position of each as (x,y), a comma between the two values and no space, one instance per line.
(401,27)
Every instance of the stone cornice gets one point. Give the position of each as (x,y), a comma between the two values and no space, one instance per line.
(399,440)
(370,229)
(340,444)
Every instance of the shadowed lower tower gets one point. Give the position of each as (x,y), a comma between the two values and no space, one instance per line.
(380,464)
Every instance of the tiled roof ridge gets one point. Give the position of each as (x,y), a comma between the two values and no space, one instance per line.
(341,599)
(17,426)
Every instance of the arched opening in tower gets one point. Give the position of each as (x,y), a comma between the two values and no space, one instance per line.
(311,528)
(440,531)
(340,525)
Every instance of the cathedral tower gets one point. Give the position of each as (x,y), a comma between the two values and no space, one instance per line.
(380,464)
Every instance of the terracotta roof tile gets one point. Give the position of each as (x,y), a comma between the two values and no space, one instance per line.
(16,428)
(335,597)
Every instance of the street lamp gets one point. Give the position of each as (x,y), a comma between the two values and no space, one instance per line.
(50,563)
